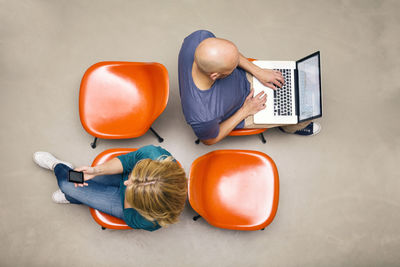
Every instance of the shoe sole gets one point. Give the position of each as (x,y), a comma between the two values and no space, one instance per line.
(58,202)
(46,167)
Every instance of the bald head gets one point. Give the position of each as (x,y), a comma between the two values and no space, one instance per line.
(215,55)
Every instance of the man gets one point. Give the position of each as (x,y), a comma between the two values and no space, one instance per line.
(216,93)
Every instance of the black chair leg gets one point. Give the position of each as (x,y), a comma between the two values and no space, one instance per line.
(93,145)
(263,138)
(160,139)
(195,218)
(262,229)
(103,228)
(197,141)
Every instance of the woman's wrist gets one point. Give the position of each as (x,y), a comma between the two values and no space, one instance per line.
(96,170)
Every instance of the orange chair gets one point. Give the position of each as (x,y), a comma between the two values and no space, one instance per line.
(119,100)
(234,189)
(240,132)
(105,220)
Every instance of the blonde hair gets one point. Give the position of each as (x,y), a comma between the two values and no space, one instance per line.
(158,190)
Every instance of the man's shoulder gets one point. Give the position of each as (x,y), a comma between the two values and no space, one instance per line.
(200,35)
(191,42)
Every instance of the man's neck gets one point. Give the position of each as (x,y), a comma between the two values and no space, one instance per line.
(200,79)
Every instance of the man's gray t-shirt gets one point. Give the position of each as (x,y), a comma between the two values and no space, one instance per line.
(205,110)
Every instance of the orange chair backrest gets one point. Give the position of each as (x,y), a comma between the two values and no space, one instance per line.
(235,189)
(114,95)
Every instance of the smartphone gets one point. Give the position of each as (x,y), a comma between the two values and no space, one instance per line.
(75,177)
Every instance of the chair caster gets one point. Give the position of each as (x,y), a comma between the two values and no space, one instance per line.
(197,141)
(195,218)
(262,138)
(160,139)
(103,228)
(93,145)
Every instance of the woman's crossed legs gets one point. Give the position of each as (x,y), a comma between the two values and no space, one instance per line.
(102,193)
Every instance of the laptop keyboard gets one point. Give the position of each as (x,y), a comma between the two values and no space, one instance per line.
(283,96)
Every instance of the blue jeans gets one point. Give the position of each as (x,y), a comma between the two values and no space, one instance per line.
(103,192)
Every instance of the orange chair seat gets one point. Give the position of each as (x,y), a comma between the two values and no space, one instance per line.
(239,132)
(105,220)
(235,189)
(122,99)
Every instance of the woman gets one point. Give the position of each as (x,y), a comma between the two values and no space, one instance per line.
(146,188)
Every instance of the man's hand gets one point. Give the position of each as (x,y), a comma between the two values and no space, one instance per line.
(252,105)
(270,78)
(88,173)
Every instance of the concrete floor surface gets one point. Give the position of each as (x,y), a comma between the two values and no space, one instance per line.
(339,199)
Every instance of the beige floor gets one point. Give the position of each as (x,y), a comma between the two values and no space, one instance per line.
(340,201)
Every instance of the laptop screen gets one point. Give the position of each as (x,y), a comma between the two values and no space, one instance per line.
(310,105)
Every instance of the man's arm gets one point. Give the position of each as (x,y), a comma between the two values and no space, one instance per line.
(250,106)
(269,78)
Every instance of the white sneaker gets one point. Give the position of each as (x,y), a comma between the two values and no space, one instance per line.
(47,160)
(311,129)
(316,128)
(59,197)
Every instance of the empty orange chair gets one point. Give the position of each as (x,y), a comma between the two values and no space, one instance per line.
(235,189)
(120,100)
(106,220)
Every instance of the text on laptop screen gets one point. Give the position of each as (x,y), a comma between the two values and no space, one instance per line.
(309,88)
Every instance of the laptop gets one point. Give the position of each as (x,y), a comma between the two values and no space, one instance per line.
(300,97)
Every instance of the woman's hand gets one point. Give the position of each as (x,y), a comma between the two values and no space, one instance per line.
(252,105)
(270,78)
(88,173)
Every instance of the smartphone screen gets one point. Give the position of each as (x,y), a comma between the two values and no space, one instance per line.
(75,177)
